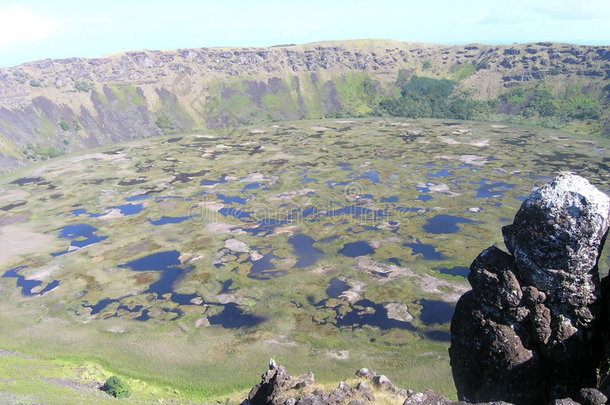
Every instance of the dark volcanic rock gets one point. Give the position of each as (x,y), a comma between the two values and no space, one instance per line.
(432,398)
(279,388)
(591,396)
(488,358)
(527,331)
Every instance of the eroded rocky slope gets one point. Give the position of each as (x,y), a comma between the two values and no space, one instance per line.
(55,106)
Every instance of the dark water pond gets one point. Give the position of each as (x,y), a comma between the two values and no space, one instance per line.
(168,220)
(13,205)
(231,200)
(232,317)
(445,224)
(366,312)
(226,287)
(303,247)
(262,269)
(139,197)
(28,285)
(372,176)
(167,263)
(101,305)
(493,189)
(234,212)
(441,173)
(80,211)
(436,312)
(336,287)
(424,197)
(253,186)
(457,271)
(306,179)
(428,251)
(393,199)
(143,317)
(213,182)
(356,249)
(129,209)
(81,235)
(26,180)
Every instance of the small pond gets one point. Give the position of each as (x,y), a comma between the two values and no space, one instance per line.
(303,247)
(445,224)
(428,251)
(356,249)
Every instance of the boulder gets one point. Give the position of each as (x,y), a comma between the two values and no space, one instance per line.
(528,330)
(591,396)
(488,358)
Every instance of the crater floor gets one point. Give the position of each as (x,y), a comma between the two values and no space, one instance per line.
(328,245)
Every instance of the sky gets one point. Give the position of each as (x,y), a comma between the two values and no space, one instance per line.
(39,29)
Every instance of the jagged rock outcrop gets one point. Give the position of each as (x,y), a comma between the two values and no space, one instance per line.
(279,388)
(527,332)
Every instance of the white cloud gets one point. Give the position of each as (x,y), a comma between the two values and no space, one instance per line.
(18,24)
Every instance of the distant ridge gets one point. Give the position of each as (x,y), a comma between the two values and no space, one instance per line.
(54,106)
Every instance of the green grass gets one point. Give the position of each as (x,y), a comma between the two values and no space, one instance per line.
(462,71)
(26,379)
(128,95)
(357,94)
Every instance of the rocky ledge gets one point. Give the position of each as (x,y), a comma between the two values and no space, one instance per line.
(532,328)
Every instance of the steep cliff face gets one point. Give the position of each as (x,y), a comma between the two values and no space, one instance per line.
(53,106)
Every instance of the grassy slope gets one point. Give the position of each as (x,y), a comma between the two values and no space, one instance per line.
(34,380)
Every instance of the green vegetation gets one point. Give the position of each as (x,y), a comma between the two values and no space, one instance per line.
(462,71)
(117,388)
(165,123)
(35,83)
(37,152)
(64,125)
(128,95)
(549,109)
(425,97)
(84,87)
(280,105)
(359,95)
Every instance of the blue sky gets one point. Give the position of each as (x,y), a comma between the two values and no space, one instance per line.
(39,29)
